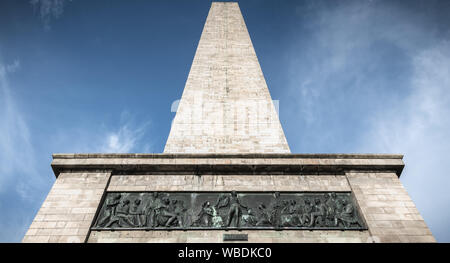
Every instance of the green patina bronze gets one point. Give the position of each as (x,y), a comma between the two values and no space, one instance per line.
(228,210)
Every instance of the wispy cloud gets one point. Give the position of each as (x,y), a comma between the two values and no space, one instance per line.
(20,181)
(16,148)
(49,10)
(126,138)
(348,42)
(11,68)
(23,181)
(374,76)
(419,127)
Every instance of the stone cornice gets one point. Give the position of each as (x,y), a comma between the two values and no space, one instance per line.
(223,155)
(270,164)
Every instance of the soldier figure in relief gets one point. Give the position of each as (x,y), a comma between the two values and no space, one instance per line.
(136,212)
(174,211)
(234,212)
(276,206)
(165,215)
(318,216)
(204,217)
(155,208)
(289,217)
(122,215)
(180,212)
(347,216)
(110,209)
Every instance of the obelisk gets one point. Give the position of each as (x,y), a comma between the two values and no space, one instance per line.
(226,106)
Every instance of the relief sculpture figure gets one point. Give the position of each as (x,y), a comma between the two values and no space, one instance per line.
(289,214)
(175,210)
(137,213)
(156,207)
(276,206)
(165,214)
(204,217)
(331,204)
(148,210)
(250,219)
(122,215)
(109,210)
(305,217)
(235,211)
(264,216)
(347,216)
(319,213)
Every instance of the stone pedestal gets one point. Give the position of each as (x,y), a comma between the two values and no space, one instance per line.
(83,180)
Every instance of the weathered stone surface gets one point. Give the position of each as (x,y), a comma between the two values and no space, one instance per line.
(215,236)
(226,106)
(124,183)
(68,211)
(389,212)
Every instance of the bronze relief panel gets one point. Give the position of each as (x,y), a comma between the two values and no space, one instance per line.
(229,210)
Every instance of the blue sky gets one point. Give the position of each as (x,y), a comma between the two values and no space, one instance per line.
(352,76)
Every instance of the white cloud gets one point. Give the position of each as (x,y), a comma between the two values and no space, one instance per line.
(17,162)
(124,140)
(21,184)
(419,127)
(336,58)
(24,181)
(11,68)
(125,136)
(350,97)
(48,10)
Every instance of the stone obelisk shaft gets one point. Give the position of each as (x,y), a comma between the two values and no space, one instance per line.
(226,106)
